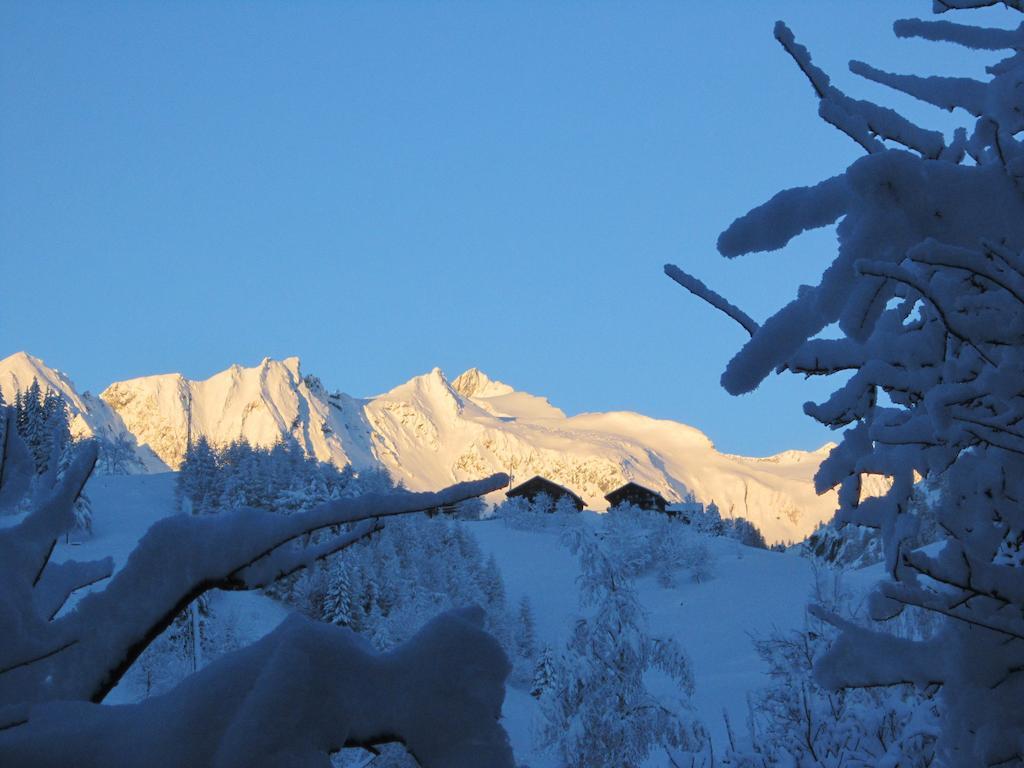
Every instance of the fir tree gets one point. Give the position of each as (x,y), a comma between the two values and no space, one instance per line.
(525,634)
(198,480)
(33,428)
(493,585)
(544,673)
(338,601)
(600,713)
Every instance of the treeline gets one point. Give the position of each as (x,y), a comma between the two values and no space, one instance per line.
(278,478)
(43,422)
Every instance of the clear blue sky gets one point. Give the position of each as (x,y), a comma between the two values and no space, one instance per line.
(385,187)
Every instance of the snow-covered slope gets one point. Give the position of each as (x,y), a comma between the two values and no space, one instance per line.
(750,593)
(430,432)
(89,415)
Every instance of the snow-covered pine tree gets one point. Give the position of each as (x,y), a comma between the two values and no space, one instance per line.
(338,601)
(543,672)
(599,713)
(198,480)
(927,295)
(525,638)
(33,427)
(493,585)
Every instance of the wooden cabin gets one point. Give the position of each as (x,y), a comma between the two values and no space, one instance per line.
(638,496)
(537,485)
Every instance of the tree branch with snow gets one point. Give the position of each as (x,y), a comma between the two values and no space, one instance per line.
(79,655)
(927,293)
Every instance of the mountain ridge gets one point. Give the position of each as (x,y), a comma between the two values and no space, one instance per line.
(431,431)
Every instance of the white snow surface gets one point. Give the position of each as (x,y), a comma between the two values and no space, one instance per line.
(429,433)
(751,592)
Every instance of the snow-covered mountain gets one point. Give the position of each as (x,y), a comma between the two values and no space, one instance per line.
(430,432)
(89,415)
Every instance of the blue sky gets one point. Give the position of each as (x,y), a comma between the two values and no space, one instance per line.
(381,188)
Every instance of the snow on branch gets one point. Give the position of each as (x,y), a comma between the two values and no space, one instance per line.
(945,92)
(927,290)
(979,38)
(182,557)
(301,693)
(305,691)
(789,213)
(941,6)
(862,121)
(883,658)
(286,561)
(701,291)
(60,580)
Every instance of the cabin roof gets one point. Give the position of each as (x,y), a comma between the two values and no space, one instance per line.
(631,486)
(523,488)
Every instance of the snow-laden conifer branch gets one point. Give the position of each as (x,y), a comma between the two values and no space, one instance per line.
(701,291)
(927,290)
(862,121)
(945,92)
(978,38)
(60,580)
(285,562)
(52,664)
(302,692)
(941,6)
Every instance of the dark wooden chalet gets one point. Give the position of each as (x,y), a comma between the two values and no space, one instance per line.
(537,484)
(638,496)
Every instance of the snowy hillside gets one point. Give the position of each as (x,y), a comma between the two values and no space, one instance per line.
(429,432)
(762,591)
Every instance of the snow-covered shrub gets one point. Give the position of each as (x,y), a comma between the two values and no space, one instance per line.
(540,514)
(117,454)
(648,542)
(926,296)
(542,503)
(796,723)
(598,711)
(300,693)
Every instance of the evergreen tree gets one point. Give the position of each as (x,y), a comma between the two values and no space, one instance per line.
(338,601)
(599,713)
(198,479)
(493,585)
(544,673)
(33,427)
(525,634)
